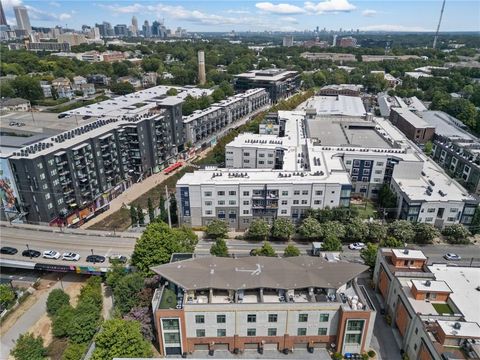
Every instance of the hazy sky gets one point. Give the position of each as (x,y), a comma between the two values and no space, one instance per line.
(202,15)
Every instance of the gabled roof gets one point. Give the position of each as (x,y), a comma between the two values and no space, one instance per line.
(259,272)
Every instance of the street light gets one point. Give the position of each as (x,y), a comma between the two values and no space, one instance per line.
(93,257)
(29,252)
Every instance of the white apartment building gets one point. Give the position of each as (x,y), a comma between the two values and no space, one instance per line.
(327,151)
(261,303)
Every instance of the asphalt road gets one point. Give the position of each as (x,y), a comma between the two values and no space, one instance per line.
(78,241)
(469,253)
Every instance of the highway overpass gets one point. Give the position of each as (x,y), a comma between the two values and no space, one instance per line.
(82,242)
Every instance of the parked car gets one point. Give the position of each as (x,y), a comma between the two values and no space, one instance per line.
(31,253)
(51,254)
(70,256)
(356,246)
(8,250)
(118,258)
(95,258)
(452,256)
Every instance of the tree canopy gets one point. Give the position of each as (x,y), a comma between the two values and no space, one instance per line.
(258,230)
(217,229)
(219,248)
(29,347)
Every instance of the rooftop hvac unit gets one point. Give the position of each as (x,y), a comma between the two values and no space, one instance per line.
(457,325)
(428,283)
(405,251)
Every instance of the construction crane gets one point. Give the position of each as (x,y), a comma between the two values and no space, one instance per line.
(438,26)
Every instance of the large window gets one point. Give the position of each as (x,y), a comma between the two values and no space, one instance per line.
(200,332)
(251,318)
(221,332)
(199,319)
(355,325)
(170,324)
(324,317)
(171,338)
(272,332)
(221,319)
(353,338)
(322,331)
(302,317)
(301,331)
(272,317)
(251,332)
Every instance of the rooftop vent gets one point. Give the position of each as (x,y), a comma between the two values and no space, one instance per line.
(428,283)
(405,251)
(457,325)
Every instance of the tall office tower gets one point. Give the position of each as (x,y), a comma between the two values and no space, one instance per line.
(288,40)
(334,42)
(202,79)
(147,32)
(3,19)
(134,26)
(23,22)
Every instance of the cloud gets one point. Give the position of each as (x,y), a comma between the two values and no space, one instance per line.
(279,8)
(9,4)
(54,3)
(369,13)
(64,16)
(288,19)
(42,15)
(393,28)
(238,12)
(329,6)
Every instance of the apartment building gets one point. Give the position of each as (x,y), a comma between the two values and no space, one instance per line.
(279,83)
(335,57)
(433,308)
(413,126)
(261,303)
(341,89)
(324,153)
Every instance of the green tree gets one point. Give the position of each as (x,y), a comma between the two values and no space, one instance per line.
(151,210)
(356,230)
(310,228)
(425,233)
(369,254)
(150,64)
(456,234)
(173,209)
(282,229)
(121,339)
(157,244)
(376,232)
(133,215)
(120,68)
(85,323)
(122,88)
(114,274)
(391,242)
(291,250)
(333,229)
(27,87)
(29,347)
(331,243)
(7,295)
(217,229)
(126,291)
(386,198)
(374,83)
(265,250)
(6,90)
(172,92)
(428,148)
(219,248)
(403,230)
(258,230)
(218,95)
(62,321)
(56,300)
(74,351)
(163,210)
(140,216)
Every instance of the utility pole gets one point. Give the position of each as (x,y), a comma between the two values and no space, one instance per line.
(438,26)
(167,203)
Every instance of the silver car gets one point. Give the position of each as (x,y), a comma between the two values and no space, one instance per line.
(70,256)
(51,254)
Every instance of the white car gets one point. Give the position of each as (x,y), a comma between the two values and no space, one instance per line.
(452,256)
(51,254)
(70,256)
(356,246)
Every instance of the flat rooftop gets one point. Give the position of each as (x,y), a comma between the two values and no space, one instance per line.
(432,285)
(267,74)
(259,272)
(466,329)
(447,125)
(410,255)
(464,282)
(412,118)
(340,105)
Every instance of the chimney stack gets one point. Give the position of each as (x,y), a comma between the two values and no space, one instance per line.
(202,79)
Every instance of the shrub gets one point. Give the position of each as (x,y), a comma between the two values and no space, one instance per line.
(29,347)
(337,356)
(456,234)
(56,300)
(74,351)
(61,322)
(217,229)
(372,353)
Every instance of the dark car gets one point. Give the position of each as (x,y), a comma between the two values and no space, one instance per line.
(8,250)
(61,116)
(95,258)
(117,259)
(31,253)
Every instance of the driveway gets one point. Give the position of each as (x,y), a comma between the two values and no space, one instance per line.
(383,341)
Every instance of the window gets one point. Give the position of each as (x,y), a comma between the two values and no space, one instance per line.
(208,212)
(221,319)
(199,319)
(284,202)
(355,171)
(296,192)
(355,325)
(246,212)
(319,193)
(324,317)
(50,162)
(261,155)
(208,203)
(431,210)
(246,202)
(47,196)
(53,172)
(302,317)
(42,176)
(251,332)
(367,164)
(379,163)
(283,211)
(261,162)
(246,154)
(301,331)
(415,347)
(353,338)
(246,193)
(272,332)
(284,193)
(348,162)
(429,219)
(354,178)
(365,179)
(416,331)
(221,202)
(207,193)
(221,332)
(220,193)
(317,202)
(378,171)
(295,202)
(40,165)
(451,219)
(232,202)
(60,201)
(453,210)
(49,206)
(232,193)
(304,192)
(366,171)
(251,318)
(246,161)
(171,338)
(272,317)
(200,332)
(322,331)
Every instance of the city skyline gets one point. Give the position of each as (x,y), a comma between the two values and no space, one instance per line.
(216,16)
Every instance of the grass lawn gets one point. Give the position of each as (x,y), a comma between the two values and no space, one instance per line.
(119,220)
(442,308)
(366,210)
(169,299)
